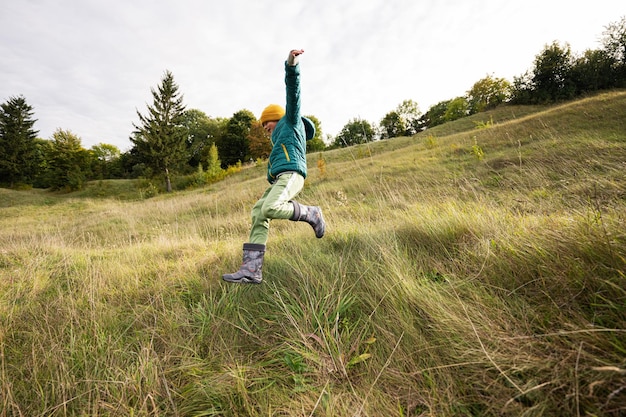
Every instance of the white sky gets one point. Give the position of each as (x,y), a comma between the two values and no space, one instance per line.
(88,65)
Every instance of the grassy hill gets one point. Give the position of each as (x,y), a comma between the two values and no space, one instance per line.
(476,269)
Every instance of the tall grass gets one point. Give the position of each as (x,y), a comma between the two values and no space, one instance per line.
(446,285)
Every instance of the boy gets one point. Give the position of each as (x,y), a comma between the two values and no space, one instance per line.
(286,171)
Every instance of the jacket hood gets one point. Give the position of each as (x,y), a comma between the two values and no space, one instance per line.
(309,128)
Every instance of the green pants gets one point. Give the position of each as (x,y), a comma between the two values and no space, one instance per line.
(274,204)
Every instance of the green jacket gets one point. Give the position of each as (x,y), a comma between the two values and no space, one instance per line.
(291,132)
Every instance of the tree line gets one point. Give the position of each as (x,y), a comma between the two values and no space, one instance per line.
(557,74)
(169,139)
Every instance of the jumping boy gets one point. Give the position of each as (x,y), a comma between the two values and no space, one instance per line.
(286,171)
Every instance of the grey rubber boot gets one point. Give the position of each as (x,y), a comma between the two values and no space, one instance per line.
(310,214)
(251,268)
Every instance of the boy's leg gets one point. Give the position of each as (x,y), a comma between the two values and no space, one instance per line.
(275,204)
(310,214)
(260,224)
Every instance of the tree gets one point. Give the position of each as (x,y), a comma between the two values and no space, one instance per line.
(488,93)
(233,145)
(435,115)
(40,163)
(17,141)
(105,160)
(392,125)
(594,70)
(523,89)
(614,42)
(410,113)
(552,74)
(403,121)
(259,143)
(355,132)
(161,135)
(214,165)
(198,126)
(457,108)
(67,162)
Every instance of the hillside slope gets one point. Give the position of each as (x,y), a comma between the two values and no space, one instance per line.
(474,269)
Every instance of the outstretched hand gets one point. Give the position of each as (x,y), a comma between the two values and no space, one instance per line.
(293,56)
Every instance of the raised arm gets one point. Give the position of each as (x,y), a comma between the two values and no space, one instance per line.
(292,83)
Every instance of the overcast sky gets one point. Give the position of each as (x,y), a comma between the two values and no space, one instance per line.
(88,65)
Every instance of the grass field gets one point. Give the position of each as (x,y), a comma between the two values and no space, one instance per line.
(475,269)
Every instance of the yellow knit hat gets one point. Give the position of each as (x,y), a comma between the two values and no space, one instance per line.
(272,112)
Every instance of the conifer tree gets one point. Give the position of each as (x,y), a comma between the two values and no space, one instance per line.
(17,141)
(161,135)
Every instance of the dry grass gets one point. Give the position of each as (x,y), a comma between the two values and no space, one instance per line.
(451,282)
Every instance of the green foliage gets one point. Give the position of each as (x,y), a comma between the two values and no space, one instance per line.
(456,109)
(199,132)
(68,163)
(234,145)
(17,142)
(161,136)
(436,114)
(356,132)
(404,121)
(477,151)
(214,171)
(105,161)
(484,125)
(593,71)
(488,93)
(552,74)
(392,125)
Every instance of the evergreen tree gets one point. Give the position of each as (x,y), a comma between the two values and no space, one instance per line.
(161,136)
(17,142)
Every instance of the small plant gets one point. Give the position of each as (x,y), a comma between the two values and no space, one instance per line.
(363,152)
(214,171)
(430,141)
(361,357)
(321,166)
(200,177)
(484,125)
(477,151)
(149,191)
